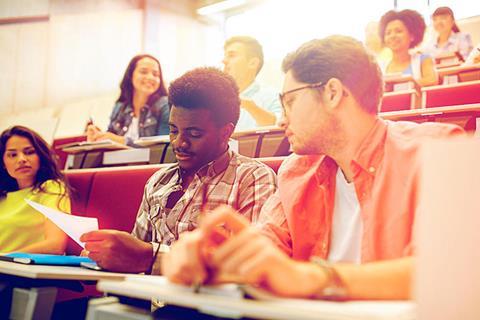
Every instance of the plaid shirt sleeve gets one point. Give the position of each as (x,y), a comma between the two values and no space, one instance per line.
(254,190)
(143,228)
(273,223)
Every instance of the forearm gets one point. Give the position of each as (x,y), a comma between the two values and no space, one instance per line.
(46,246)
(117,138)
(428,81)
(262,117)
(383,280)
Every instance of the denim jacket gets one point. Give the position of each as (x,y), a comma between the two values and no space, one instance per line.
(153,121)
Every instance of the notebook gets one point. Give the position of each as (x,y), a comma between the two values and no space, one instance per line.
(45,259)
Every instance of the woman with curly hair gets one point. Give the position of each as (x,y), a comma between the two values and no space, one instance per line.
(29,171)
(401,31)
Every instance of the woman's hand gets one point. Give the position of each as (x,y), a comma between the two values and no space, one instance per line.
(95,134)
(92,132)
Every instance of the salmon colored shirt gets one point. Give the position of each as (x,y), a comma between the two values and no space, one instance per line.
(298,217)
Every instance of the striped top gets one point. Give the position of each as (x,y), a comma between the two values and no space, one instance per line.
(232,179)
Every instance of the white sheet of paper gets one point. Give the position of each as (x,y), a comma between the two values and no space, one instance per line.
(73,226)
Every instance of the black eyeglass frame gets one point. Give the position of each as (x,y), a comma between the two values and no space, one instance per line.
(282,96)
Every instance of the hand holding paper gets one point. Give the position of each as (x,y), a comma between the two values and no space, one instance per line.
(73,226)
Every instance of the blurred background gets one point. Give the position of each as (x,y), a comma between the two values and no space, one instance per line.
(61,61)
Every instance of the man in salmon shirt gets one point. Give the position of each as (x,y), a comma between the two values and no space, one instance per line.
(341,222)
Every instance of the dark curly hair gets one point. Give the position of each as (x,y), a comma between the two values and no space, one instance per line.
(207,88)
(126,86)
(48,165)
(412,20)
(343,58)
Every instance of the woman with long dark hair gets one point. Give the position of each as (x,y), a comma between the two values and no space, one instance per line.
(142,108)
(448,38)
(29,171)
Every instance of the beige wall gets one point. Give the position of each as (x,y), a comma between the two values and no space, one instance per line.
(71,56)
(75,61)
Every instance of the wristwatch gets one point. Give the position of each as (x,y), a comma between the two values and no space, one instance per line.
(334,289)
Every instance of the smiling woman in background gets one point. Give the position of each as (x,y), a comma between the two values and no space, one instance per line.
(29,171)
(142,109)
(448,39)
(402,31)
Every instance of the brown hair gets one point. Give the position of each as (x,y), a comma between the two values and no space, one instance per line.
(343,58)
(254,48)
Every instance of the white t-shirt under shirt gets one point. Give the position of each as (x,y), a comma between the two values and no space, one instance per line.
(347,225)
(132,131)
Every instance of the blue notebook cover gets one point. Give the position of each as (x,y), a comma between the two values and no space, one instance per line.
(47,259)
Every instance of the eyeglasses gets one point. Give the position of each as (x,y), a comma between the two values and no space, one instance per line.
(283,95)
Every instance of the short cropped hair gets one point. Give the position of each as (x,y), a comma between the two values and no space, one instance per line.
(343,58)
(253,48)
(412,20)
(207,88)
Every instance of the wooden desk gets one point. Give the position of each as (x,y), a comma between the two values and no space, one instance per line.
(272,309)
(398,82)
(448,60)
(33,288)
(269,141)
(460,73)
(399,100)
(463,115)
(56,272)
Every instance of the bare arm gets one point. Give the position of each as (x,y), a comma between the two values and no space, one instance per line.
(390,279)
(94,134)
(250,256)
(55,241)
(262,117)
(429,74)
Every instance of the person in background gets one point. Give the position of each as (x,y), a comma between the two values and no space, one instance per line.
(205,109)
(243,60)
(448,39)
(375,44)
(142,108)
(401,31)
(29,171)
(340,225)
(474,56)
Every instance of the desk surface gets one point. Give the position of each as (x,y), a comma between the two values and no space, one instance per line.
(398,115)
(458,69)
(450,86)
(56,272)
(272,309)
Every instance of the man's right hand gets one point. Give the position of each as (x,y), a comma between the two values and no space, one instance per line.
(184,263)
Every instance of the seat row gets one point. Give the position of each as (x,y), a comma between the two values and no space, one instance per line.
(113,195)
